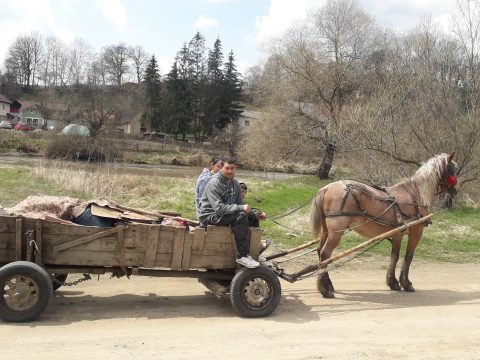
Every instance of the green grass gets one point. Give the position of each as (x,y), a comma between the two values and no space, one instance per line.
(16,183)
(453,237)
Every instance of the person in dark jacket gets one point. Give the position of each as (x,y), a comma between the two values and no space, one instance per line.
(222,205)
(213,167)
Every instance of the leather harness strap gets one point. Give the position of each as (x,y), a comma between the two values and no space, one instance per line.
(401,216)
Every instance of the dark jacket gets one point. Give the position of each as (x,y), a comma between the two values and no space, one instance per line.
(220,197)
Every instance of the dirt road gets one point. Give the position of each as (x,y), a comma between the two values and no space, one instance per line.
(159,318)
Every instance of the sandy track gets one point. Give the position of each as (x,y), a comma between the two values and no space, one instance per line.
(160,318)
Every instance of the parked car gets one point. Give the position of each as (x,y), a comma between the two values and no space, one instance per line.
(5,124)
(23,127)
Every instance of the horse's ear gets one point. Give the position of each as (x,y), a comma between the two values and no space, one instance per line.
(450,157)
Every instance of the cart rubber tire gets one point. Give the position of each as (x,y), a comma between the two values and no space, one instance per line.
(31,284)
(60,278)
(255,292)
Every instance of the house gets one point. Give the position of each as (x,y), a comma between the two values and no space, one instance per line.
(247,116)
(31,115)
(4,107)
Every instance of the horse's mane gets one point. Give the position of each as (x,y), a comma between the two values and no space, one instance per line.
(429,175)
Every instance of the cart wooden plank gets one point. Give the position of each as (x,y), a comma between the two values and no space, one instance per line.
(38,241)
(187,251)
(198,238)
(86,239)
(18,239)
(151,247)
(178,249)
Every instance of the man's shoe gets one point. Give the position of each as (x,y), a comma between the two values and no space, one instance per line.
(248,262)
(262,259)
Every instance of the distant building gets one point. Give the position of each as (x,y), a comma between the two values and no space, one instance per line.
(247,116)
(4,107)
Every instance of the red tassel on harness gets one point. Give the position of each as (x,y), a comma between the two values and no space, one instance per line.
(452,180)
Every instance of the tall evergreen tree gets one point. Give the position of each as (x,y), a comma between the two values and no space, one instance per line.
(183,92)
(197,80)
(214,87)
(152,83)
(230,108)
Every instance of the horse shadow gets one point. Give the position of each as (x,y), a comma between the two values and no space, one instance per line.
(386,299)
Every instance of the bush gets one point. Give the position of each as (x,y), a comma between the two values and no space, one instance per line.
(74,147)
(11,140)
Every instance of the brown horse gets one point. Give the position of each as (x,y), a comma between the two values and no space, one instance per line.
(371,211)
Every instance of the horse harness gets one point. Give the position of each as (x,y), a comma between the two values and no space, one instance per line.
(401,217)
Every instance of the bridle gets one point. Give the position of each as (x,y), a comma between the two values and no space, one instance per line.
(448,181)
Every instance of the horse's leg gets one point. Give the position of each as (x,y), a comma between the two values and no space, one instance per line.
(320,287)
(392,281)
(413,239)
(324,284)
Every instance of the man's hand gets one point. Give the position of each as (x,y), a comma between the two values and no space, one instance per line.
(247,208)
(261,216)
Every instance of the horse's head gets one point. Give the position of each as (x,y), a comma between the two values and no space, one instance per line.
(448,181)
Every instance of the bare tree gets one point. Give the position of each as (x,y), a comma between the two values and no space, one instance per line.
(140,59)
(55,62)
(418,111)
(318,71)
(466,26)
(80,56)
(24,57)
(116,59)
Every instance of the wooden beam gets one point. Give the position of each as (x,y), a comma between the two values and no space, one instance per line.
(38,241)
(86,239)
(18,239)
(187,251)
(178,248)
(151,246)
(121,249)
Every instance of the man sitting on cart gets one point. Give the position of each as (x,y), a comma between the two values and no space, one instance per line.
(222,205)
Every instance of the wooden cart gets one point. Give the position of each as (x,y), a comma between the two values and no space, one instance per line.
(36,256)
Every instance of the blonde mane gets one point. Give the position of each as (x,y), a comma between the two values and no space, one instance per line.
(429,175)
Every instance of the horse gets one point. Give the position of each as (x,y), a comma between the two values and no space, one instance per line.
(371,210)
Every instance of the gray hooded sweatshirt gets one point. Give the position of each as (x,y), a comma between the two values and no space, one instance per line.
(220,197)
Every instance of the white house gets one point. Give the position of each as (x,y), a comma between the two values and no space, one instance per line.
(247,116)
(4,106)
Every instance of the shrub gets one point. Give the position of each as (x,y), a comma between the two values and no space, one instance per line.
(74,147)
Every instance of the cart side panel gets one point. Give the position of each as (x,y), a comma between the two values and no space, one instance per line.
(7,239)
(105,251)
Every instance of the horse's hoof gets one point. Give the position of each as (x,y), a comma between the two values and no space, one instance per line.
(394,286)
(409,288)
(328,295)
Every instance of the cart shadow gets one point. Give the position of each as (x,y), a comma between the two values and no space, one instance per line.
(68,307)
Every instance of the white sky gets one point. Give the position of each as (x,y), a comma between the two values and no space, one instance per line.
(162,26)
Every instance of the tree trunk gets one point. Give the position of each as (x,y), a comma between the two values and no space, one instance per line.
(327,161)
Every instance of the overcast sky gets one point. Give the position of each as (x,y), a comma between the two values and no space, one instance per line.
(162,26)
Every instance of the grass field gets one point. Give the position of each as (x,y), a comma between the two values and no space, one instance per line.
(453,237)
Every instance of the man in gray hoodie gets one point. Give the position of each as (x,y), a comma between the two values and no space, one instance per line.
(222,205)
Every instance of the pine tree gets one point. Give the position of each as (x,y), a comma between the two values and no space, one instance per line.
(197,80)
(230,108)
(152,83)
(214,87)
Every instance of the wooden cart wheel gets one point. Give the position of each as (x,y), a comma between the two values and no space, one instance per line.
(58,280)
(255,292)
(25,289)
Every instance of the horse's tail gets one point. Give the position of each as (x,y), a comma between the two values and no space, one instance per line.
(317,217)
